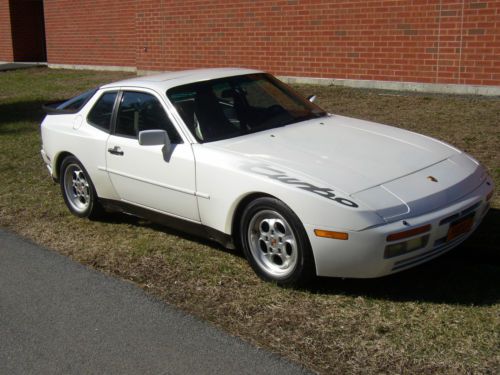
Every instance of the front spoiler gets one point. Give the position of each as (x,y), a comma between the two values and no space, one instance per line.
(362,255)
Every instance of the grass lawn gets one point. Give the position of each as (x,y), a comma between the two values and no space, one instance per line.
(440,317)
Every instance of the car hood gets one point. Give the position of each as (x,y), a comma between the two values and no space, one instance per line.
(343,153)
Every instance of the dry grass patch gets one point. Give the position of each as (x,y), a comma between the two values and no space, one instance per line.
(442,317)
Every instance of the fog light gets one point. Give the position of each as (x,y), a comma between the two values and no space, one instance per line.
(401,248)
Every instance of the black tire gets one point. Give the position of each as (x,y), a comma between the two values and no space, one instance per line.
(78,190)
(275,243)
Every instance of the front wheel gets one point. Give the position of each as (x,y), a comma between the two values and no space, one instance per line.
(77,189)
(275,243)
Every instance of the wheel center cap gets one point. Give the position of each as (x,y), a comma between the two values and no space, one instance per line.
(273,242)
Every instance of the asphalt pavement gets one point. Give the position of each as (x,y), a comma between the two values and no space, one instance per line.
(59,317)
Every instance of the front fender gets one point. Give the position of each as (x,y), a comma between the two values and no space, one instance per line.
(227,179)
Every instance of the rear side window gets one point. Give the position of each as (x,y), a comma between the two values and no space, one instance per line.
(102,111)
(140,111)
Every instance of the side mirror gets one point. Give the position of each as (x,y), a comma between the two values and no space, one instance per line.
(154,138)
(311,98)
(157,137)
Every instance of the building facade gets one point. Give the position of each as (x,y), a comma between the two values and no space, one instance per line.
(427,42)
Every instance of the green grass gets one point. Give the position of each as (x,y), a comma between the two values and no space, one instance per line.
(441,317)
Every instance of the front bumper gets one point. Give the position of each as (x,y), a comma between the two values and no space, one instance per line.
(362,255)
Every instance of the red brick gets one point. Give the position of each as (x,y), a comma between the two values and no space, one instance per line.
(6,52)
(387,39)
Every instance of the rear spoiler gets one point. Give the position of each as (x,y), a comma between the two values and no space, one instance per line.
(51,108)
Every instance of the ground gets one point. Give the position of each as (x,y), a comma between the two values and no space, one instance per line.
(441,317)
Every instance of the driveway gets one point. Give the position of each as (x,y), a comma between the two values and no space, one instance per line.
(59,317)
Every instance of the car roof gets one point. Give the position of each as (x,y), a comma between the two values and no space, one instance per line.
(164,81)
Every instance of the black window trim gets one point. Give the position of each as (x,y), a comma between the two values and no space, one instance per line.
(114,115)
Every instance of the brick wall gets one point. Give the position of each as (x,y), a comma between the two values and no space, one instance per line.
(431,41)
(6,53)
(99,32)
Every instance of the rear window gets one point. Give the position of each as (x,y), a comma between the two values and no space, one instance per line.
(72,105)
(76,103)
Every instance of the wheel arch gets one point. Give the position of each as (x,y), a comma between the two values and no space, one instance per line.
(89,207)
(239,207)
(236,214)
(309,260)
(58,162)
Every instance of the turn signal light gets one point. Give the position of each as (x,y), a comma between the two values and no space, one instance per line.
(330,234)
(408,233)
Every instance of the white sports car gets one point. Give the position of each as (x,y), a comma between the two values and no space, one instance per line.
(239,157)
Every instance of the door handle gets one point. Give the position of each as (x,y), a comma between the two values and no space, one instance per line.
(115,151)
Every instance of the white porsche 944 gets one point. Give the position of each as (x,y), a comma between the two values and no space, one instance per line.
(237,156)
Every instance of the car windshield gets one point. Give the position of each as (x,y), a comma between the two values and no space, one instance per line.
(233,106)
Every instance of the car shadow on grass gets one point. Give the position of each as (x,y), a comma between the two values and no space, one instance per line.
(467,275)
(122,218)
(16,117)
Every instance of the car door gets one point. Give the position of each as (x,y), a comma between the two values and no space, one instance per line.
(148,176)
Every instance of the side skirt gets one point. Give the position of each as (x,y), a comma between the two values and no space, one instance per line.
(185,226)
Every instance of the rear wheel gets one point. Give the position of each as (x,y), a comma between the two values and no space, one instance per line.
(275,243)
(78,190)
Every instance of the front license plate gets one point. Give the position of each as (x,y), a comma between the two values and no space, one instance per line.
(460,227)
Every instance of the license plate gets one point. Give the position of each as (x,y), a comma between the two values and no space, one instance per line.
(460,227)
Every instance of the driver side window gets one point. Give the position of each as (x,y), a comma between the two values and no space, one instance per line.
(140,111)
